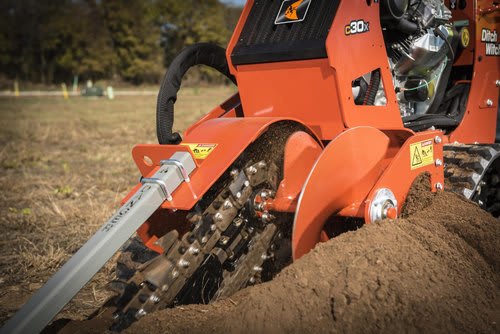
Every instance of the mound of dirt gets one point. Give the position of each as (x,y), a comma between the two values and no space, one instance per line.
(436,270)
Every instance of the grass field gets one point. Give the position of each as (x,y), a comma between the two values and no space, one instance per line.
(64,167)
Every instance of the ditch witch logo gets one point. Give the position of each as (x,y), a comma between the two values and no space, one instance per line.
(292,11)
(490,37)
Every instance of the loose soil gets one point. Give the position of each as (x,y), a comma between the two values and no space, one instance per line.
(435,270)
(65,165)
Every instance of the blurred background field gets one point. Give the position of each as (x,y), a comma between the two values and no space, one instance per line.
(64,167)
(65,164)
(45,43)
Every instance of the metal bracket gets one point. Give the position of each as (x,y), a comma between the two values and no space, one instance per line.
(161,183)
(180,167)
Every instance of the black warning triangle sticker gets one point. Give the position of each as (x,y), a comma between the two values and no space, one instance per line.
(417,159)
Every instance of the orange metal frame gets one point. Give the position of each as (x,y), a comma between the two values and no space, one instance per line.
(368,146)
(478,124)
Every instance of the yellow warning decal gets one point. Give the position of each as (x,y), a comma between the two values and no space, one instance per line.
(421,154)
(201,151)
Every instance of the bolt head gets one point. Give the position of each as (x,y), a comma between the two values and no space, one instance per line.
(204,240)
(257,268)
(238,195)
(140,313)
(155,299)
(497,83)
(252,170)
(194,250)
(175,274)
(246,184)
(252,280)
(439,186)
(489,103)
(439,162)
(218,217)
(228,205)
(234,173)
(213,227)
(259,206)
(184,263)
(266,256)
(267,217)
(438,140)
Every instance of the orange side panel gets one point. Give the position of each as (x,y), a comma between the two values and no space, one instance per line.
(478,124)
(355,55)
(303,90)
(231,135)
(301,152)
(353,167)
(399,175)
(344,173)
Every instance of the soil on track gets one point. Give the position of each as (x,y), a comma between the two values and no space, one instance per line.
(434,270)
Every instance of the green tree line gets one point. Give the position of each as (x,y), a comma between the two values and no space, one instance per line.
(50,41)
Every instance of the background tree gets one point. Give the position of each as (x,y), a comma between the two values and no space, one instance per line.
(50,41)
(135,38)
(88,51)
(187,22)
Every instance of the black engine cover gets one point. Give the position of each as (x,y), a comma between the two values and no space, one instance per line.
(267,38)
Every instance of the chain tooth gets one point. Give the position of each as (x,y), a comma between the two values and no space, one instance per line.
(467,169)
(189,252)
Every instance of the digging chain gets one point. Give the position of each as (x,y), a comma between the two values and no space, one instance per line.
(224,251)
(474,172)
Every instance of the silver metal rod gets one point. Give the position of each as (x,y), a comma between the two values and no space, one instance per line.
(71,278)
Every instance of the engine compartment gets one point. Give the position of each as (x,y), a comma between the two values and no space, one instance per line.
(422,43)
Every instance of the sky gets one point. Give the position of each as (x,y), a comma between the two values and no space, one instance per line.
(236,2)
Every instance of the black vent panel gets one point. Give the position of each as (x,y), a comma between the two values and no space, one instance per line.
(262,41)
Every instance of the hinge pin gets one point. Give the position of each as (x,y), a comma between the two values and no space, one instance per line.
(228,205)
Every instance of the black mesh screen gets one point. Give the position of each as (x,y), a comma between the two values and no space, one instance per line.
(261,40)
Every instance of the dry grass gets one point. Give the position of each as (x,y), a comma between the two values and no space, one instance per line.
(64,167)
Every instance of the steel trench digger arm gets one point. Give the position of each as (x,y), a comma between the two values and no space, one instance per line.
(157,191)
(70,279)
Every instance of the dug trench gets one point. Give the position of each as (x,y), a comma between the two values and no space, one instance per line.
(436,269)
